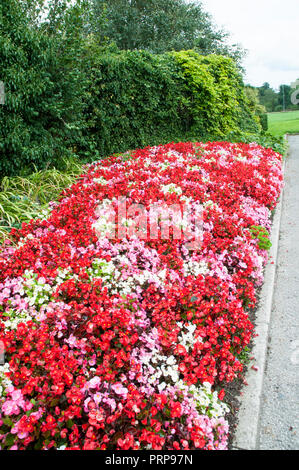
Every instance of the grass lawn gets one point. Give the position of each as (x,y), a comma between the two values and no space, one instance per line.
(284,122)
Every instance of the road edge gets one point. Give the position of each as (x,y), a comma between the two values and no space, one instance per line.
(247,431)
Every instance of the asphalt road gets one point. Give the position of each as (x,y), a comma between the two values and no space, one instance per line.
(279,413)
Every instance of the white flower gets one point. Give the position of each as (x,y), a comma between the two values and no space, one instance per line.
(171,360)
(194,268)
(171,188)
(101,180)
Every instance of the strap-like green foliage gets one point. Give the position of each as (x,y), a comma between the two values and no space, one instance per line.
(26,198)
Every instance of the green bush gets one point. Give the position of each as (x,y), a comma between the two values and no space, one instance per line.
(137,99)
(134,99)
(266,139)
(66,95)
(215,91)
(264,121)
(259,232)
(256,108)
(41,118)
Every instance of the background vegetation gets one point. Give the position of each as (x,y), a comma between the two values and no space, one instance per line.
(136,99)
(44,84)
(160,26)
(276,101)
(88,78)
(284,123)
(71,91)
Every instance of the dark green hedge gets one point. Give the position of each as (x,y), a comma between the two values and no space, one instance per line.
(63,99)
(41,119)
(264,121)
(137,99)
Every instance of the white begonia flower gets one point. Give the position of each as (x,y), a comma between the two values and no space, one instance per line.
(164,165)
(187,199)
(171,188)
(101,180)
(194,268)
(171,360)
(187,339)
(147,162)
(161,386)
(5,382)
(127,222)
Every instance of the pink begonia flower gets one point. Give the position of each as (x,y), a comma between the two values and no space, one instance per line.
(111,403)
(40,316)
(10,408)
(92,361)
(15,429)
(27,406)
(6,292)
(94,382)
(72,341)
(119,389)
(17,395)
(10,389)
(97,397)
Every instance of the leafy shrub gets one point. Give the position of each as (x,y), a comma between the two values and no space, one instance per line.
(267,140)
(215,90)
(264,121)
(254,105)
(262,235)
(40,120)
(135,99)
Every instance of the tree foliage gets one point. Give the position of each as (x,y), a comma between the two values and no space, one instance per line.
(252,97)
(67,93)
(276,100)
(137,98)
(40,67)
(161,25)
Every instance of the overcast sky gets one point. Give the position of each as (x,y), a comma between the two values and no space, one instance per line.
(269,30)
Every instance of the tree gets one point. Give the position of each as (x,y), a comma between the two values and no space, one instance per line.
(258,110)
(268,97)
(285,97)
(161,25)
(44,83)
(276,101)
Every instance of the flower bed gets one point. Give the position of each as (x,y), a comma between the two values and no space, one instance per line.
(127,342)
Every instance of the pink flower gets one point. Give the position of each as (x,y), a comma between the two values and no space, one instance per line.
(17,395)
(119,389)
(10,408)
(94,382)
